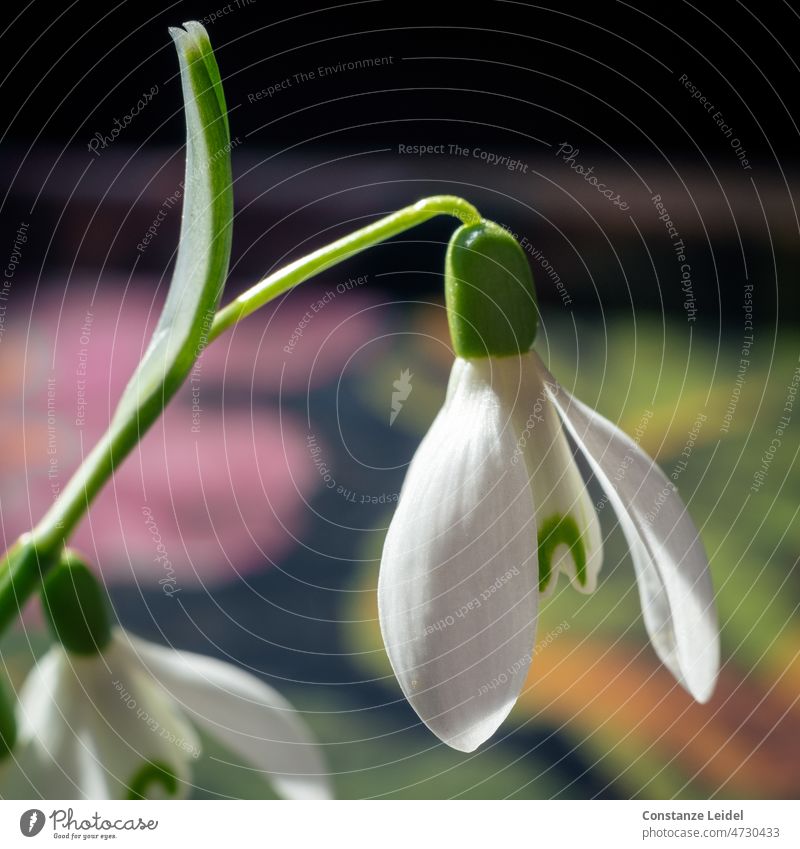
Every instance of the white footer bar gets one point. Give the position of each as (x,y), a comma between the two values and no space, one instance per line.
(401,825)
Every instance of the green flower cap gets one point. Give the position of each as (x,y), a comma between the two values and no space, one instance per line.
(75,607)
(489,291)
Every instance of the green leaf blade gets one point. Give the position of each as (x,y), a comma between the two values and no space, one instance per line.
(204,250)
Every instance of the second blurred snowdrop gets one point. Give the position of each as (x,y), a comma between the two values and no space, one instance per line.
(106,715)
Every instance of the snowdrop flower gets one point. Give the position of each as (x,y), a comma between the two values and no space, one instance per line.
(494,508)
(105,715)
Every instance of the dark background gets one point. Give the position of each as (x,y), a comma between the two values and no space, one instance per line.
(73,69)
(513,78)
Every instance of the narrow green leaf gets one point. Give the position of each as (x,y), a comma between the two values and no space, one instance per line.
(205,240)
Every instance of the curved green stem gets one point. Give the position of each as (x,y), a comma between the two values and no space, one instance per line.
(26,563)
(58,523)
(296,272)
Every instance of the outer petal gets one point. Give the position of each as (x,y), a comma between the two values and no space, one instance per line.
(671,565)
(458,587)
(89,727)
(569,535)
(244,713)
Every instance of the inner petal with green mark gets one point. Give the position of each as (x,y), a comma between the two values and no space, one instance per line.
(154,780)
(552,533)
(568,531)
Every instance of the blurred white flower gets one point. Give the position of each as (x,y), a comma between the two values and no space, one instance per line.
(492,509)
(122,724)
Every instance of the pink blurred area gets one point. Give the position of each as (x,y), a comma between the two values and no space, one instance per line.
(220,484)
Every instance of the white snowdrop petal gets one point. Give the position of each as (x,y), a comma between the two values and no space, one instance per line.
(245,714)
(47,757)
(670,562)
(458,587)
(142,725)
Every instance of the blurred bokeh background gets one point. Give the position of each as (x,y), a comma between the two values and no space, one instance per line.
(272,477)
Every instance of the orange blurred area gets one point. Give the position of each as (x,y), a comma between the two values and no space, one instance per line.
(745,741)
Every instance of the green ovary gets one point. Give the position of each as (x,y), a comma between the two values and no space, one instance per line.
(153,773)
(555,531)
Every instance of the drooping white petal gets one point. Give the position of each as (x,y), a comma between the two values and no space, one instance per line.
(92,728)
(245,714)
(671,565)
(569,535)
(45,741)
(458,587)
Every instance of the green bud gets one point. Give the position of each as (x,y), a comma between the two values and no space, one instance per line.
(8,722)
(75,607)
(489,291)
